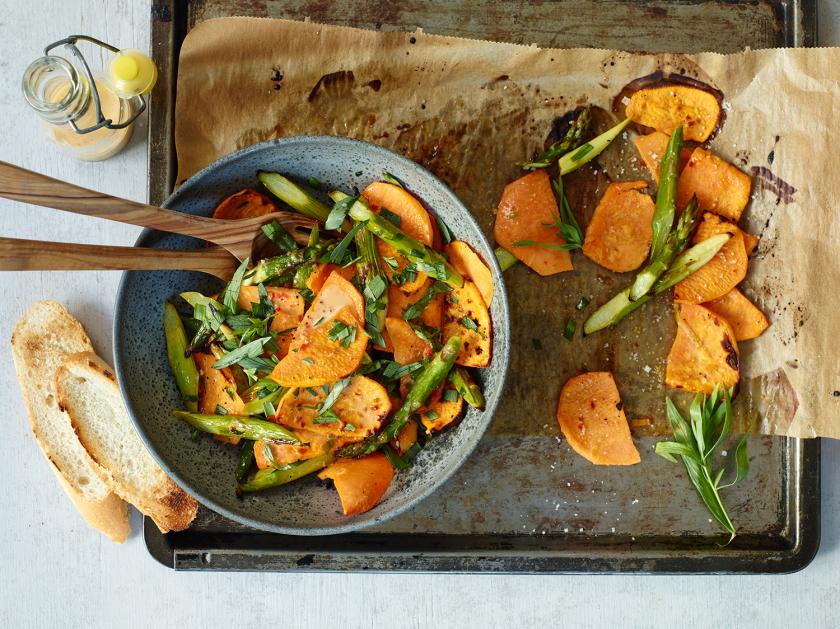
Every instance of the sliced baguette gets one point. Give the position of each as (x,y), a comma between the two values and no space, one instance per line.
(42,339)
(109,516)
(87,391)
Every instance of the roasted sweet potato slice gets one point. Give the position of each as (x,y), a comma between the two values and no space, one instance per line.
(432,314)
(652,147)
(468,263)
(216,387)
(720,274)
(317,354)
(414,220)
(288,311)
(407,346)
(592,419)
(704,353)
(526,212)
(719,186)
(323,270)
(406,438)
(747,321)
(466,316)
(618,236)
(360,483)
(246,203)
(286,453)
(360,409)
(443,412)
(750,242)
(665,108)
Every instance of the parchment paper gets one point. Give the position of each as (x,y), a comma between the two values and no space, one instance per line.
(470,110)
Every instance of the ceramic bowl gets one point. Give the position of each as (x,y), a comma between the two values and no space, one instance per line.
(204,467)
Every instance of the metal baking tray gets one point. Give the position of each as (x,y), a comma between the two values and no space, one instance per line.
(524,502)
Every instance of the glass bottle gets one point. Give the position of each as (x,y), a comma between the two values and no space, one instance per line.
(60,95)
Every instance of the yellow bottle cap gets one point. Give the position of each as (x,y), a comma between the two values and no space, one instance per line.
(131,72)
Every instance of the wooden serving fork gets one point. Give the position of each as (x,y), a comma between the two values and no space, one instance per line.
(236,236)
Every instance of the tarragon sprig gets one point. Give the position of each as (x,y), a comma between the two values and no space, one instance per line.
(695,441)
(565,222)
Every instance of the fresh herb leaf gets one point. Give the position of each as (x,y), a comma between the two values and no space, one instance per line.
(327,417)
(343,333)
(231,295)
(390,178)
(349,428)
(251,350)
(527,243)
(308,360)
(332,396)
(268,409)
(416,309)
(391,262)
(313,182)
(279,235)
(695,442)
(450,395)
(470,324)
(408,274)
(307,294)
(221,410)
(337,254)
(394,459)
(389,216)
(431,415)
(339,212)
(395,371)
(569,330)
(569,228)
(445,233)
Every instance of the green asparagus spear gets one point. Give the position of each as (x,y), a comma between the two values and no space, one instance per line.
(429,379)
(257,404)
(425,259)
(589,151)
(666,194)
(271,477)
(183,366)
(675,242)
(684,265)
(613,311)
(505,258)
(577,129)
(690,260)
(246,460)
(273,268)
(293,195)
(466,386)
(238,426)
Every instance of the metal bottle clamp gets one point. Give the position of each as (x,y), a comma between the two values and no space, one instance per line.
(101,121)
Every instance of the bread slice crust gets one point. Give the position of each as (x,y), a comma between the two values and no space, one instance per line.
(87,392)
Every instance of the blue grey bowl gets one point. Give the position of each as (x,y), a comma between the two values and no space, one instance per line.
(205,468)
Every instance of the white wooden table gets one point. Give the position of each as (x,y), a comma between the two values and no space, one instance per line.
(54,571)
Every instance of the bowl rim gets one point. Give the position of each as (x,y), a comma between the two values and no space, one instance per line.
(487,414)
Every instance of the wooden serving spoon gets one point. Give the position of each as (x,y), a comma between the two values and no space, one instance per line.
(239,237)
(36,255)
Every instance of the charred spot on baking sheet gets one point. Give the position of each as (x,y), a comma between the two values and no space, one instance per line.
(332,82)
(767,180)
(499,79)
(742,157)
(836,393)
(667,79)
(771,156)
(276,77)
(375,84)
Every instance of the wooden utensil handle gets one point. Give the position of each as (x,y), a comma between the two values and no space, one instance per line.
(24,185)
(35,255)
